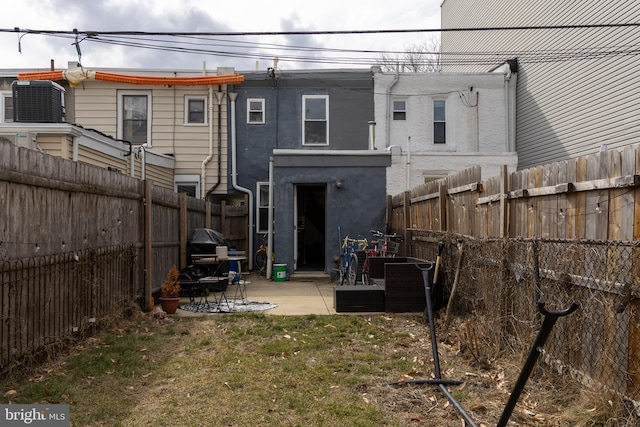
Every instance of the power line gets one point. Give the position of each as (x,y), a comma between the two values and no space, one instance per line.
(210,43)
(93,33)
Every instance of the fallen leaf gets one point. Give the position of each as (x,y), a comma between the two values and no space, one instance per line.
(11,394)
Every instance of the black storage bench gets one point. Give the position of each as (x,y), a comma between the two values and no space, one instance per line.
(359,298)
(404,284)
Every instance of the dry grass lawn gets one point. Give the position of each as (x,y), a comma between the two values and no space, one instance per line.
(257,369)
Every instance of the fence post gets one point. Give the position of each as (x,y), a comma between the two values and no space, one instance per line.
(148,255)
(223,218)
(442,205)
(504,205)
(183,230)
(207,218)
(406,210)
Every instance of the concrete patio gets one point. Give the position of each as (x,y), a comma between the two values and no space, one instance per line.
(304,293)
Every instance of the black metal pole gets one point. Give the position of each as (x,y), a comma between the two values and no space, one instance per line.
(434,345)
(550,318)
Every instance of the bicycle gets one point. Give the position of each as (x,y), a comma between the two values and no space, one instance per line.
(260,257)
(348,260)
(389,248)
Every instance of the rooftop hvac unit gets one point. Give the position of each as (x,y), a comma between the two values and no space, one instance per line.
(38,101)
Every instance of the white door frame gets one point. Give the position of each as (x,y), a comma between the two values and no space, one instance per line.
(295,227)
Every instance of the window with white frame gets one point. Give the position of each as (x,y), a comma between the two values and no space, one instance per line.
(399,110)
(189,184)
(134,116)
(255,111)
(6,114)
(315,120)
(195,110)
(439,122)
(262,205)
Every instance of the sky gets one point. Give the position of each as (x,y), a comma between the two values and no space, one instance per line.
(248,52)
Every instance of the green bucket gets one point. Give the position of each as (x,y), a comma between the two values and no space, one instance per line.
(279,272)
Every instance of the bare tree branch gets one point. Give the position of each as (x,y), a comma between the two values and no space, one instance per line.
(418,58)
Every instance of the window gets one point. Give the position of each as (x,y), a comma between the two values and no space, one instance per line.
(195,110)
(255,111)
(189,184)
(315,110)
(399,110)
(7,107)
(262,204)
(134,116)
(439,124)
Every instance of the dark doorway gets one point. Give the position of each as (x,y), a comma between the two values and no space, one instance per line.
(311,204)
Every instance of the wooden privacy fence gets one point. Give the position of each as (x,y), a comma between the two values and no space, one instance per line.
(593,197)
(563,231)
(52,210)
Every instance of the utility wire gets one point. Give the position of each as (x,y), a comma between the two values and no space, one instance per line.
(93,33)
(209,43)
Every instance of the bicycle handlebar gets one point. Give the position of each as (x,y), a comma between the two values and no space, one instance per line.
(386,236)
(348,240)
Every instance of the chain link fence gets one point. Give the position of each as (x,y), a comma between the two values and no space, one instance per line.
(500,282)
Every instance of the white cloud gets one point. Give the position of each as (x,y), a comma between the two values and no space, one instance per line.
(207,16)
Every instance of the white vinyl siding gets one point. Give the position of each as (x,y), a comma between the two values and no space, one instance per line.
(566,108)
(96,108)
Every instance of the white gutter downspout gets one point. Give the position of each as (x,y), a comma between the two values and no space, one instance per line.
(132,166)
(74,155)
(391,85)
(143,156)
(203,169)
(509,105)
(372,135)
(270,226)
(234,175)
(513,80)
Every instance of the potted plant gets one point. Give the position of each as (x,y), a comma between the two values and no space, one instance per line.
(170,291)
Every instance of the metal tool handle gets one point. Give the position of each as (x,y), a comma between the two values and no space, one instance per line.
(574,306)
(550,318)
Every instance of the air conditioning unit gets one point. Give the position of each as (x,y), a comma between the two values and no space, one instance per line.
(38,101)
(21,139)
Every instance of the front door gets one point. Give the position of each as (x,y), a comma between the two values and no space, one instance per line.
(310,227)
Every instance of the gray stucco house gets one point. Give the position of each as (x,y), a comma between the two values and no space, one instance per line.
(306,135)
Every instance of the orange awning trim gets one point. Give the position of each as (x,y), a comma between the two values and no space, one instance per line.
(136,80)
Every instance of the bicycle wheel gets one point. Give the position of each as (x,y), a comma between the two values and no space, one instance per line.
(340,271)
(261,261)
(365,271)
(352,272)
